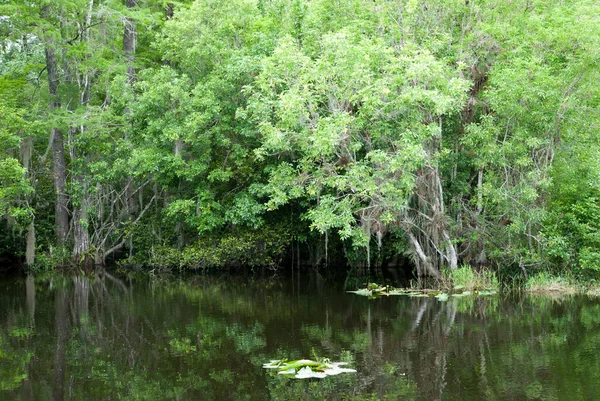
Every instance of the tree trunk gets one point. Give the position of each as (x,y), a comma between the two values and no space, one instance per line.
(81,236)
(60,354)
(129,45)
(26,153)
(425,222)
(424,261)
(30,295)
(30,245)
(61,210)
(58,151)
(129,42)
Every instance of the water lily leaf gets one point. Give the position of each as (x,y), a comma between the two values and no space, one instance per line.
(273,364)
(300,363)
(307,373)
(459,287)
(363,292)
(486,293)
(335,370)
(464,294)
(442,297)
(308,369)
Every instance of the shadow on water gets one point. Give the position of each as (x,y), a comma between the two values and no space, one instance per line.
(101,337)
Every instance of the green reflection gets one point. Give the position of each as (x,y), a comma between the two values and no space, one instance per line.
(100,338)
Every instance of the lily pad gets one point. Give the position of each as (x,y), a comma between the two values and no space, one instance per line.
(365,292)
(336,370)
(308,373)
(273,364)
(442,297)
(290,371)
(397,291)
(308,369)
(375,291)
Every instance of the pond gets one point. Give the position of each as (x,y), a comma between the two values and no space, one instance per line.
(205,338)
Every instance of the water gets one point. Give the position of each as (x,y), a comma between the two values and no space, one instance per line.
(104,338)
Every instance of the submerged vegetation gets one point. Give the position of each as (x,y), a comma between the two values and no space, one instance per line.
(366,135)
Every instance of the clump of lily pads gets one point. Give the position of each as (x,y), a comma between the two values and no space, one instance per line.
(373,290)
(307,369)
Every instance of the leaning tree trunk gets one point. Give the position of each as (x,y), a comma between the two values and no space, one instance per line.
(426,223)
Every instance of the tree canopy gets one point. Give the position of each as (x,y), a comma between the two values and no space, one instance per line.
(256,132)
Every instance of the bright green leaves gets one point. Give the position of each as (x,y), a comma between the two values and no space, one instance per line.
(215,35)
(164,114)
(12,185)
(439,119)
(532,102)
(13,182)
(353,125)
(333,213)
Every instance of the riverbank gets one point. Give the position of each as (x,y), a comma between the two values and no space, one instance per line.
(546,283)
(466,280)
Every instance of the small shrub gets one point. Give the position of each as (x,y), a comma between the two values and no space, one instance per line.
(242,247)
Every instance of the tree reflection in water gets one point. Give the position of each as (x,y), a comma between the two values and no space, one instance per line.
(98,338)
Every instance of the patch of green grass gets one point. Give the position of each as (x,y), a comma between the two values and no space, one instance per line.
(467,279)
(546,282)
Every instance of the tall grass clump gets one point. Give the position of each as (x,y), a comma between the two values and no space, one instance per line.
(546,282)
(468,279)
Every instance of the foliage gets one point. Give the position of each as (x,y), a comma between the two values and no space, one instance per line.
(253,248)
(546,282)
(187,134)
(13,182)
(467,279)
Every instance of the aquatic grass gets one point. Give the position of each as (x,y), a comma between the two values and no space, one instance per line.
(466,278)
(547,282)
(471,283)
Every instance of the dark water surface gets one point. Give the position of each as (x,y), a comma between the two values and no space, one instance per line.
(205,339)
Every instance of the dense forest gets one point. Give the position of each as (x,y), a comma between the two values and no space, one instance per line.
(361,133)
